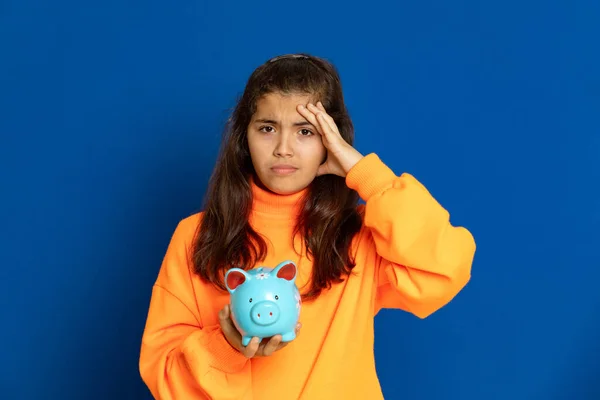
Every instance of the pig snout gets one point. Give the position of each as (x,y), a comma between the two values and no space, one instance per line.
(265,313)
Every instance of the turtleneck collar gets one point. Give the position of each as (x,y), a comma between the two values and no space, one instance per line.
(276,205)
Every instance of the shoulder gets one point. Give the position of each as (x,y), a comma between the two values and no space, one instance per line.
(186,229)
(178,257)
(190,223)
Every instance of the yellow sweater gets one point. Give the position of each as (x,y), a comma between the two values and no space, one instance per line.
(408,257)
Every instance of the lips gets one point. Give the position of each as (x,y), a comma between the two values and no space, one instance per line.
(283,169)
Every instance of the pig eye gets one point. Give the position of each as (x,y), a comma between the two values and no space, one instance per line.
(276,297)
(250,299)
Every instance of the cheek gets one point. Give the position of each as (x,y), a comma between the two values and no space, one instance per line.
(258,148)
(318,151)
(313,153)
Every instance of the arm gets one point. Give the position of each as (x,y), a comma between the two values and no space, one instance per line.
(180,357)
(422,260)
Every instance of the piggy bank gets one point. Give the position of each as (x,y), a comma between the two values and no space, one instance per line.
(264,301)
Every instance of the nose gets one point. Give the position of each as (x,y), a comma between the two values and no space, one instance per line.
(284,146)
(265,313)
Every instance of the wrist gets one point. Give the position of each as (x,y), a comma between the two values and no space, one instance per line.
(352,158)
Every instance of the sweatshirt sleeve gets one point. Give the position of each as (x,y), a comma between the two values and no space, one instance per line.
(422,260)
(180,357)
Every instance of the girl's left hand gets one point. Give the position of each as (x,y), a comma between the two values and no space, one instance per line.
(341,156)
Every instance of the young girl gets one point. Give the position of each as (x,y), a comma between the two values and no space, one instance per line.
(286,187)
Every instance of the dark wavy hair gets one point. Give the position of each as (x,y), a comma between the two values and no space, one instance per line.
(329,218)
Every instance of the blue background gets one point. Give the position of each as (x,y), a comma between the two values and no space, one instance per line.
(110,122)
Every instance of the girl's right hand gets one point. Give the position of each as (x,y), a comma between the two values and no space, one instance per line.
(254,348)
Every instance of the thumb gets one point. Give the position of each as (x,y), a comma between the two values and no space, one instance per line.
(224,313)
(323,169)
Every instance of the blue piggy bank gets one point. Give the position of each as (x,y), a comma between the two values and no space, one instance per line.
(264,301)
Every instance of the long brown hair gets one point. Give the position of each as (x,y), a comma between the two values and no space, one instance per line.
(329,218)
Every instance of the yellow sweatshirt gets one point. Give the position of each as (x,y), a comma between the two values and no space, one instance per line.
(408,257)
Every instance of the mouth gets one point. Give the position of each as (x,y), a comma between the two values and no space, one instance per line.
(284,170)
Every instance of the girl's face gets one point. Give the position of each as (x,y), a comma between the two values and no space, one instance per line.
(286,150)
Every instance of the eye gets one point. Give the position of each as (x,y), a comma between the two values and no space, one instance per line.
(250,299)
(262,129)
(276,297)
(306,132)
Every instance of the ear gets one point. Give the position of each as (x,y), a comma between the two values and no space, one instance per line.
(234,278)
(286,270)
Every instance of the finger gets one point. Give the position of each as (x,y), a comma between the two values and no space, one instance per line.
(224,313)
(323,169)
(327,130)
(297,330)
(327,116)
(232,335)
(321,110)
(282,345)
(252,348)
(316,117)
(271,345)
(310,117)
(224,319)
(325,127)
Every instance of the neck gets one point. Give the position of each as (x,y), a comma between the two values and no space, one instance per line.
(266,202)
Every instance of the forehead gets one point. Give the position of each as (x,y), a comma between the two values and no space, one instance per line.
(278,103)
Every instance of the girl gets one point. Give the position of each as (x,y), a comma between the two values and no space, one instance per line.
(286,187)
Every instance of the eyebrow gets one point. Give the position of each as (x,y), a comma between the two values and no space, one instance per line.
(271,121)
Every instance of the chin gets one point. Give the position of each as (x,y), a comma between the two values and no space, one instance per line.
(285,189)
(285,186)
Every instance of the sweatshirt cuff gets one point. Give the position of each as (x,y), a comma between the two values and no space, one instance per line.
(217,351)
(224,357)
(370,176)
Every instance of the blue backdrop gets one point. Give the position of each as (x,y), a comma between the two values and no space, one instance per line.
(110,117)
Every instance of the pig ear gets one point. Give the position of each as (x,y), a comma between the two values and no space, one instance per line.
(234,278)
(286,270)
